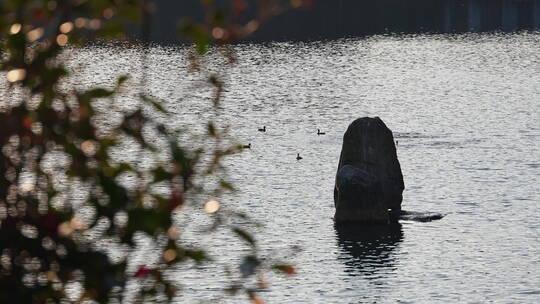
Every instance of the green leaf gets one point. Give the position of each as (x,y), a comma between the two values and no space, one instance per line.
(226,185)
(160,174)
(211,129)
(154,103)
(244,235)
(120,81)
(198,35)
(121,168)
(147,220)
(112,29)
(198,256)
(96,93)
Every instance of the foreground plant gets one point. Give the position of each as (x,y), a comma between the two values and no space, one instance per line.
(71,214)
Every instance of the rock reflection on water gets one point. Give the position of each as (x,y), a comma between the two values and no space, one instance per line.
(369,250)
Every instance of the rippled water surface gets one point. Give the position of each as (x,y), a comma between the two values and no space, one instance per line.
(466,112)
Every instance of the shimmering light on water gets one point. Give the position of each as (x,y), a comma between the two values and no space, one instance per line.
(465,110)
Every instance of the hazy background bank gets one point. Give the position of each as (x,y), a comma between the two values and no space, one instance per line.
(328,19)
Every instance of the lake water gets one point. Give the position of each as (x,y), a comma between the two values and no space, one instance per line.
(466,112)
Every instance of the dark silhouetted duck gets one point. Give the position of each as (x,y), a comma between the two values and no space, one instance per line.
(263,129)
(298,157)
(248,146)
(319,132)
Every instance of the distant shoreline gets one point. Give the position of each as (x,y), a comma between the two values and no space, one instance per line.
(334,19)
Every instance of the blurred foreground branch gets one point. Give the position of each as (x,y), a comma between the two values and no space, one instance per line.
(68,222)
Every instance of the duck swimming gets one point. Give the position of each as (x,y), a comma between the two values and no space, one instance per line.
(298,157)
(263,129)
(320,133)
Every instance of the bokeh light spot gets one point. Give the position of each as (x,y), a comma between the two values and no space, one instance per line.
(89,147)
(51,5)
(65,229)
(108,13)
(77,223)
(173,233)
(296,3)
(16,75)
(34,34)
(218,33)
(66,27)
(62,39)
(94,24)
(15,28)
(211,206)
(80,22)
(169,255)
(257,300)
(252,26)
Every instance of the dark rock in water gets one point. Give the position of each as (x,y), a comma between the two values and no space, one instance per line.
(369,182)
